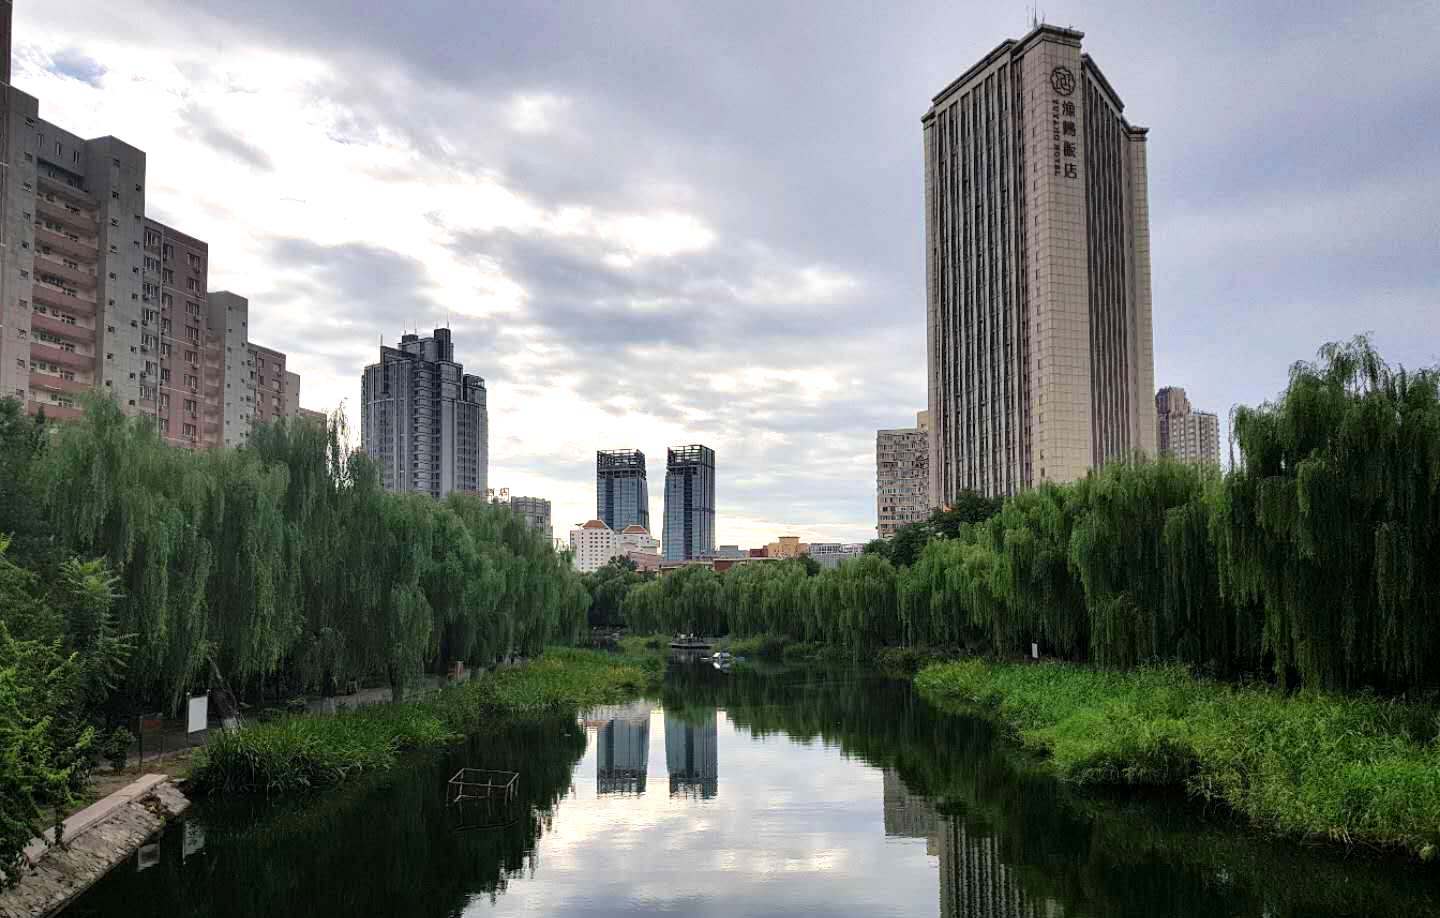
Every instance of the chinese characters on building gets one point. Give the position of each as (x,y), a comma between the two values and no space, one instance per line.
(1062,125)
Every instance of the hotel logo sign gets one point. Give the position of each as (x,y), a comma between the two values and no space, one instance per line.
(1062,81)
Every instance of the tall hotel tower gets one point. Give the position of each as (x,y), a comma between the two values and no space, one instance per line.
(1037,250)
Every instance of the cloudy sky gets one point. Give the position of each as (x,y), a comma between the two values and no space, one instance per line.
(652,224)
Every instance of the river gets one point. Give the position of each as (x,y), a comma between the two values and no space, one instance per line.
(742,793)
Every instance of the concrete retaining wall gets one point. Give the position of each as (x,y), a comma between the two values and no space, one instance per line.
(96,839)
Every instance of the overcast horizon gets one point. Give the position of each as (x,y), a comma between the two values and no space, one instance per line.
(654,224)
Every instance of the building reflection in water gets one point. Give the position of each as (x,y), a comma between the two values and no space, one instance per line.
(691,754)
(622,746)
(973,880)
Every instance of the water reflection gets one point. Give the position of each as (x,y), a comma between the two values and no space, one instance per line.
(974,878)
(843,797)
(622,745)
(692,754)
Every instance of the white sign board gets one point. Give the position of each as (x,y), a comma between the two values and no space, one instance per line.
(1034,650)
(199,713)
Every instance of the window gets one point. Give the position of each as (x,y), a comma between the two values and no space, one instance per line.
(191,357)
(192,308)
(168,276)
(192,284)
(168,252)
(193,259)
(164,374)
(192,382)
(189,431)
(191,406)
(165,425)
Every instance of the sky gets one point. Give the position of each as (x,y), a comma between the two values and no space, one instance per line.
(651,224)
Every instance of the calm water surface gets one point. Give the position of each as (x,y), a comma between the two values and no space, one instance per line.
(742,794)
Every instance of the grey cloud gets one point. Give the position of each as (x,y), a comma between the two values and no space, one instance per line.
(208,128)
(795,127)
(76,65)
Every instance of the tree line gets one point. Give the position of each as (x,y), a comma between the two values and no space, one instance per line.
(1312,561)
(133,573)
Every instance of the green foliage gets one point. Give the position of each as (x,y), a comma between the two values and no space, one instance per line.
(287,564)
(1348,768)
(302,752)
(608,588)
(1332,524)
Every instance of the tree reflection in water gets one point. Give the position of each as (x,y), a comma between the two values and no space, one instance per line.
(1009,840)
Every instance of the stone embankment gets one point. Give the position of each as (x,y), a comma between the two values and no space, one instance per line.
(95,840)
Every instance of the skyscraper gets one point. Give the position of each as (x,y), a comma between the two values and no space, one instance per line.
(424,419)
(902,476)
(622,494)
(1037,253)
(1183,433)
(689,503)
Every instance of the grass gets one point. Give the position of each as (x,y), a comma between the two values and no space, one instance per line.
(1348,768)
(301,752)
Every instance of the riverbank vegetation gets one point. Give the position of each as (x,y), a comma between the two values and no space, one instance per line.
(1309,563)
(1318,764)
(305,752)
(136,573)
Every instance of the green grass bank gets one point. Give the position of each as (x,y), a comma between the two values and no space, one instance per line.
(302,752)
(1342,767)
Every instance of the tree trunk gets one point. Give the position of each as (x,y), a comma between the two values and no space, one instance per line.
(224,699)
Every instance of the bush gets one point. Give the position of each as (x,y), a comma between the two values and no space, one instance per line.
(116,747)
(293,753)
(1347,768)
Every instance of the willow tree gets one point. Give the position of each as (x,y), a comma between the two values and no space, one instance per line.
(1332,521)
(113,488)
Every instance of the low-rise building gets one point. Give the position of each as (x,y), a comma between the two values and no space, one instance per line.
(830,554)
(787,547)
(535,511)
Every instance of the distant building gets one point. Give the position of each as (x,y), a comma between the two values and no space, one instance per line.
(314,417)
(902,476)
(787,547)
(640,547)
(424,420)
(689,503)
(830,554)
(1183,433)
(622,494)
(536,513)
(593,544)
(1039,344)
(646,562)
(730,553)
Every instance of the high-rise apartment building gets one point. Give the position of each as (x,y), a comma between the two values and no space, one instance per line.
(1184,433)
(622,494)
(424,419)
(1039,342)
(271,381)
(902,476)
(71,256)
(689,503)
(535,511)
(181,383)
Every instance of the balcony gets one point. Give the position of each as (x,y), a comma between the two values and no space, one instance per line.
(76,219)
(53,296)
(74,245)
(77,333)
(64,358)
(69,192)
(58,268)
(56,384)
(54,412)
